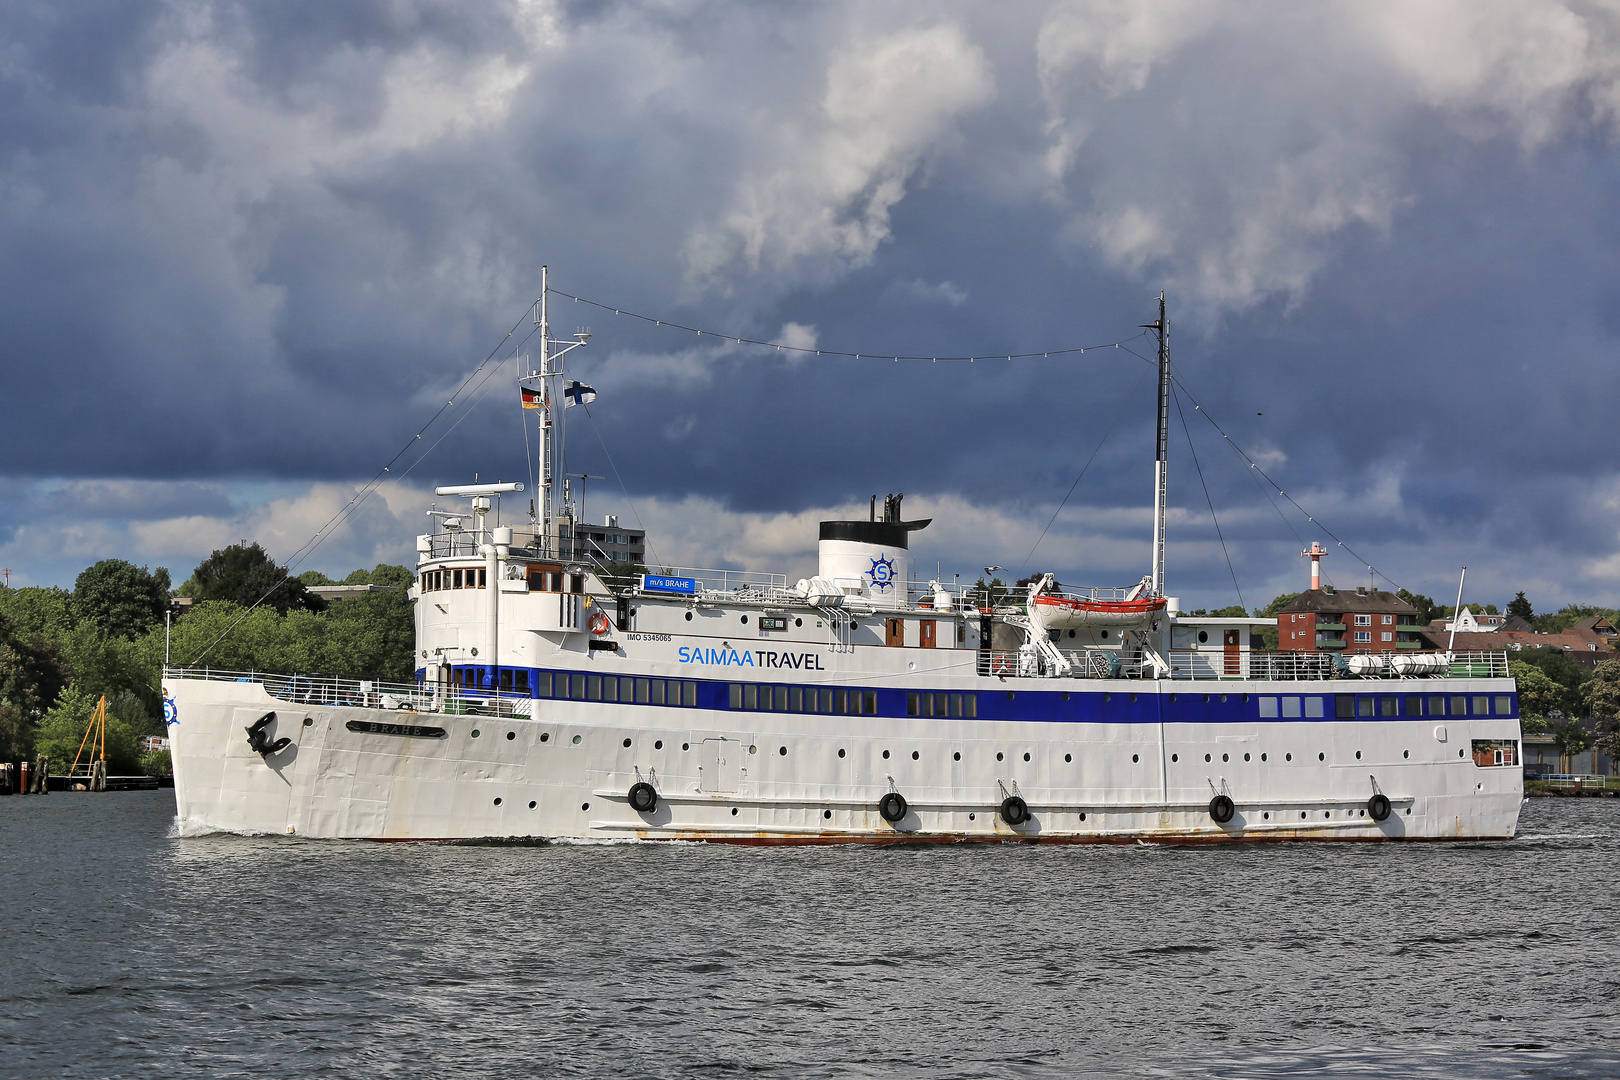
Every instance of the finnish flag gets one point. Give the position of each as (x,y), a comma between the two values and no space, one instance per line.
(578,393)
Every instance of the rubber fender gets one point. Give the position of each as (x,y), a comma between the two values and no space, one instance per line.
(643,799)
(1378,807)
(1221,809)
(893,807)
(1014,811)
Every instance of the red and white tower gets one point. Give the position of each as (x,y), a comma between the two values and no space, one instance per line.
(1316,554)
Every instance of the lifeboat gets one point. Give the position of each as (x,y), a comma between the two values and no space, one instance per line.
(1125,609)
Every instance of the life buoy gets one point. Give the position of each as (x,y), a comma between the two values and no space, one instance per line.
(599,623)
(1221,809)
(643,798)
(1014,810)
(1378,807)
(893,807)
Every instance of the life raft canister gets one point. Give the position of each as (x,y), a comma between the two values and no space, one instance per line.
(1378,807)
(1221,809)
(599,623)
(1014,810)
(893,807)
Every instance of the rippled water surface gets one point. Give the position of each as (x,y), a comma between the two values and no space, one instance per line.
(130,953)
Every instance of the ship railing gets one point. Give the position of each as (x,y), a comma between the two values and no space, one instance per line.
(300,689)
(1285,666)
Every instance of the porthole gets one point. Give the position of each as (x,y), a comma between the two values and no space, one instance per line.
(1000,755)
(1105,635)
(1245,757)
(1408,811)
(827,814)
(1135,758)
(885,755)
(1107,698)
(1406,753)
(1026,757)
(1363,814)
(1172,697)
(1009,695)
(1082,815)
(1203,637)
(782,750)
(659,745)
(798,622)
(733,811)
(1262,757)
(1302,815)
(840,753)
(1288,757)
(545,736)
(1068,757)
(915,755)
(1358,755)
(957,756)
(531,804)
(1133,698)
(1327,813)
(971,817)
(1321,757)
(497,801)
(688,616)
(686,746)
(585,806)
(1065,695)
(1245,699)
(1226,757)
(753,749)
(1206,699)
(1223,699)
(1459,753)
(745,620)
(1071,633)
(1175,757)
(576,740)
(510,735)
(627,744)
(1206,757)
(309,720)
(1266,816)
(476,733)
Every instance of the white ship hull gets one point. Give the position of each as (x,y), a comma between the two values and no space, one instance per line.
(723,776)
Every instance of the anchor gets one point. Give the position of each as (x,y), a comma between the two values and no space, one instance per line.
(261,745)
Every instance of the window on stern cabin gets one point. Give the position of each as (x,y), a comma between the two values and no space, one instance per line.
(457,578)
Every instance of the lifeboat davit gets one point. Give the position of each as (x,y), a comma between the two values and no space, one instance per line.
(1130,608)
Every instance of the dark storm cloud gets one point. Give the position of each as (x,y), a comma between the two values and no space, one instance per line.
(262,241)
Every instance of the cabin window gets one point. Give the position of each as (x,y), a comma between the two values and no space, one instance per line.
(1482,706)
(457,579)
(1458,707)
(1268,708)
(1290,707)
(1492,752)
(1313,709)
(576,687)
(481,572)
(1504,706)
(576,583)
(1344,706)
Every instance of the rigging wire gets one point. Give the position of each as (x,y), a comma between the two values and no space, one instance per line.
(597,428)
(1219,535)
(381,477)
(779,347)
(1117,418)
(1256,467)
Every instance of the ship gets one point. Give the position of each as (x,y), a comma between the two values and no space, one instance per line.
(558,698)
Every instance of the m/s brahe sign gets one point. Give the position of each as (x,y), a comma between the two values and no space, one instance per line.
(680,586)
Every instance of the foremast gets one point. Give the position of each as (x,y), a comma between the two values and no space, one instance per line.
(1161,455)
(546,378)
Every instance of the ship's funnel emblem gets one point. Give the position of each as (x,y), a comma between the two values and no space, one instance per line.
(882,572)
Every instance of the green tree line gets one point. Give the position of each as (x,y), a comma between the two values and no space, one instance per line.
(62,650)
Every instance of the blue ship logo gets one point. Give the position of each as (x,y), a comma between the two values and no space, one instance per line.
(882,572)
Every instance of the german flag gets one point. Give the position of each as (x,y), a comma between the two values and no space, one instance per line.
(533,397)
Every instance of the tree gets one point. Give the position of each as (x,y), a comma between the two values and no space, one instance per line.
(1572,740)
(32,675)
(1561,668)
(1428,610)
(1539,696)
(1601,693)
(123,599)
(61,733)
(246,575)
(315,577)
(1520,607)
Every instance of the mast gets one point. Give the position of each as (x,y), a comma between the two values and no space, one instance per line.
(1161,455)
(546,426)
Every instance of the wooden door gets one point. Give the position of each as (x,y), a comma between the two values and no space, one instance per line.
(926,638)
(1233,663)
(894,632)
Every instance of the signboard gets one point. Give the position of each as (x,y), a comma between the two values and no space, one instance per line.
(771,622)
(680,586)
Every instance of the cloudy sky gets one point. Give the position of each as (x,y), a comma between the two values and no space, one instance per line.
(250,249)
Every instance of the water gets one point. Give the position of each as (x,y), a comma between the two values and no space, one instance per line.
(132,953)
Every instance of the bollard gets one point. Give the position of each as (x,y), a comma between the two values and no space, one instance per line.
(22,788)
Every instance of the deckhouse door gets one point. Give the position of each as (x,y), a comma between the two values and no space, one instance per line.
(1233,661)
(721,764)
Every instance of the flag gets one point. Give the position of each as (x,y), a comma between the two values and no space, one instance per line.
(579,394)
(533,397)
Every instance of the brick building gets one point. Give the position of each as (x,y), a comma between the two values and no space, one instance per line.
(1326,619)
